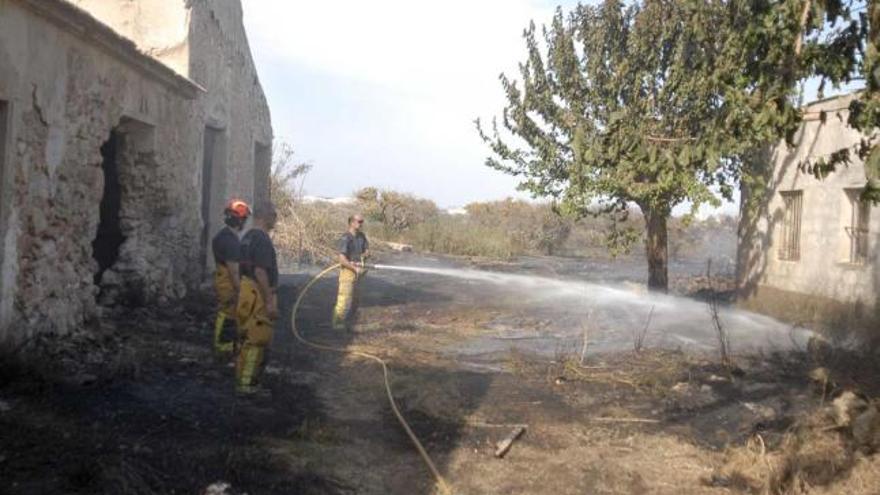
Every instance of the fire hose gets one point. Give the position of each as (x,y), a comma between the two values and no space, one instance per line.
(441,482)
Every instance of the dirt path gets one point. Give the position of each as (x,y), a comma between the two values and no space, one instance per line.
(154,413)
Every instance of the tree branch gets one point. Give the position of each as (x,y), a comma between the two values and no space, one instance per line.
(805,15)
(659,139)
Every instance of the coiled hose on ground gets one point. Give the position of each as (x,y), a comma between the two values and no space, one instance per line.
(441,482)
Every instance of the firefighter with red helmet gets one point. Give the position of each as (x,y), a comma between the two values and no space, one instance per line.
(227,279)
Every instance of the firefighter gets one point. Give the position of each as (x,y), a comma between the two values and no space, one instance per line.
(226,274)
(353,249)
(257,301)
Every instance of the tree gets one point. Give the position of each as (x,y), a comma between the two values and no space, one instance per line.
(287,176)
(396,211)
(841,43)
(626,105)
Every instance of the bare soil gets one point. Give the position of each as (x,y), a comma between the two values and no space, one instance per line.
(139,405)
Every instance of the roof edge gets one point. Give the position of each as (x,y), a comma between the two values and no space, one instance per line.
(85,26)
(838,97)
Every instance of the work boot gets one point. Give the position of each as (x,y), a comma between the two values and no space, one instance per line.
(256,391)
(339,324)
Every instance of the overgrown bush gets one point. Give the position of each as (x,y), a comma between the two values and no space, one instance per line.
(533,228)
(395,212)
(307,231)
(458,235)
(303,232)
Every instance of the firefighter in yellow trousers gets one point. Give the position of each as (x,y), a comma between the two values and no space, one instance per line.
(257,301)
(353,249)
(225,246)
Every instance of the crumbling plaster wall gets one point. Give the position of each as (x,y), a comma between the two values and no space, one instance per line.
(160,28)
(66,95)
(221,62)
(217,56)
(209,36)
(156,261)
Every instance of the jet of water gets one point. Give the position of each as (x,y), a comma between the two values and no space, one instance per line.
(675,321)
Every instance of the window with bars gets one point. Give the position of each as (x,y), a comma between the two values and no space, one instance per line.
(790,226)
(857,230)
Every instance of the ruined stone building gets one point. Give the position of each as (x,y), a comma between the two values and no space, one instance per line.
(124,127)
(809,248)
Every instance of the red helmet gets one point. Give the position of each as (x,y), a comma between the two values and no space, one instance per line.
(238,209)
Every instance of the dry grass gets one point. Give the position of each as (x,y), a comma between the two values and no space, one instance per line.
(814,453)
(652,370)
(864,477)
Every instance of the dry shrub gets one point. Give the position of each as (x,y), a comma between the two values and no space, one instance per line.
(533,228)
(458,235)
(305,232)
(494,229)
(395,212)
(863,478)
(308,232)
(814,453)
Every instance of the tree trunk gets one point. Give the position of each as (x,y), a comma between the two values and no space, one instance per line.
(656,249)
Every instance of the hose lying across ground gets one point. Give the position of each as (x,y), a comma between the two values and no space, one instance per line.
(441,482)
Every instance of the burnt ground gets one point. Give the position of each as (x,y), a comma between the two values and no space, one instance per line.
(139,405)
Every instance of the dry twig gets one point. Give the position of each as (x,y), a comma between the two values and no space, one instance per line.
(639,336)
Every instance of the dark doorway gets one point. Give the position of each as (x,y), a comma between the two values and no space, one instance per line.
(262,171)
(212,184)
(105,247)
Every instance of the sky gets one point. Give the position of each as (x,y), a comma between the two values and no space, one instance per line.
(384,92)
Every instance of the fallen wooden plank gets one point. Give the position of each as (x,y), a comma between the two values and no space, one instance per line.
(503,446)
(625,420)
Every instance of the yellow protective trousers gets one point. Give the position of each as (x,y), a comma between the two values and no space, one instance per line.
(254,333)
(224,324)
(347,299)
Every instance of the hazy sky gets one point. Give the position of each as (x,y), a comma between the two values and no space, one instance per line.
(384,92)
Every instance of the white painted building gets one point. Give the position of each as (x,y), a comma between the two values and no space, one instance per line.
(808,249)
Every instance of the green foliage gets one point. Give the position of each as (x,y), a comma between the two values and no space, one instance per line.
(865,112)
(839,44)
(642,103)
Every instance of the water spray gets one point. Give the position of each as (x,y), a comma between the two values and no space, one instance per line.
(676,320)
(678,312)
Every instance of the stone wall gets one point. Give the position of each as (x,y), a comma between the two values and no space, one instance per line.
(823,285)
(68,82)
(205,40)
(220,61)
(156,218)
(161,75)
